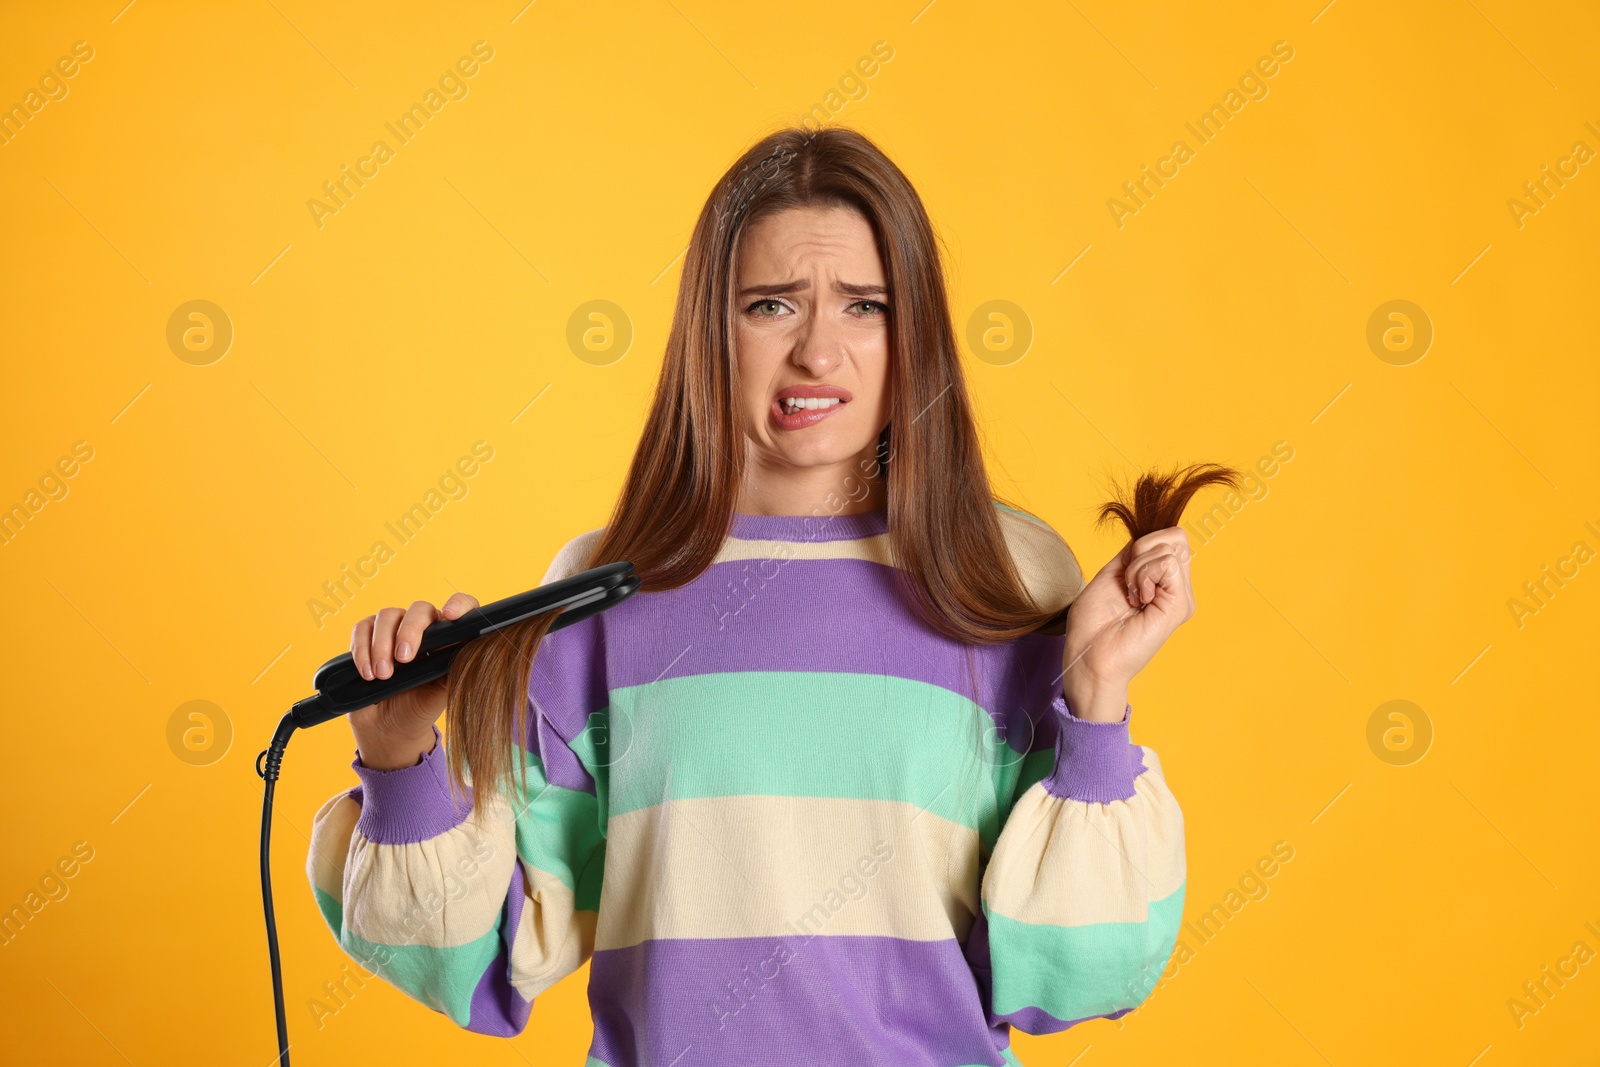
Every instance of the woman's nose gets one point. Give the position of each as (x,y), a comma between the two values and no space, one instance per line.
(819,348)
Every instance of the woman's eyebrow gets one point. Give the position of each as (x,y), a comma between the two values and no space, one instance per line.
(843,288)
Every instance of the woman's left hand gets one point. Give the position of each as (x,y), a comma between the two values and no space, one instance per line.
(1125,613)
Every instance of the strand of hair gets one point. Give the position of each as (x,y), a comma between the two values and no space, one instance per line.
(1156,500)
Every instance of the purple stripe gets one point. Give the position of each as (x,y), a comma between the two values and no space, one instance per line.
(410,804)
(762,615)
(516,895)
(809,528)
(561,765)
(976,952)
(497,1008)
(567,682)
(1095,761)
(788,1000)
(1039,1021)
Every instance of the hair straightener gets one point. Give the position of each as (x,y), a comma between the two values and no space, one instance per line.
(341,690)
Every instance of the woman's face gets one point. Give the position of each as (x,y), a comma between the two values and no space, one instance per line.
(811,315)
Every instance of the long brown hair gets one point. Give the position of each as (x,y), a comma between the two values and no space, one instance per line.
(677,501)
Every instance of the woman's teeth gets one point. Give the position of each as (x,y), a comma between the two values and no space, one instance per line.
(791,404)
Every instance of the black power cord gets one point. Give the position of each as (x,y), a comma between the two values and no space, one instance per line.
(268,764)
(341,689)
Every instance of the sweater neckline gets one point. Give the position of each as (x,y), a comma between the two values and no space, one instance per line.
(820,527)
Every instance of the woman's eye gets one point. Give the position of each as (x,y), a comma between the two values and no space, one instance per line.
(872,306)
(766,308)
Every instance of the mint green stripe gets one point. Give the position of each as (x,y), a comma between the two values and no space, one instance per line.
(560,831)
(1017,511)
(861,736)
(1074,972)
(332,910)
(1035,765)
(441,978)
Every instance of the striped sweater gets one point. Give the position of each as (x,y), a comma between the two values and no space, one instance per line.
(785,822)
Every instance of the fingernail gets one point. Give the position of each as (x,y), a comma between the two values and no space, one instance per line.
(404,651)
(383,668)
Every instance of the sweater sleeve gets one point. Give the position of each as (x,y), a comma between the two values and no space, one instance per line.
(475,916)
(1083,893)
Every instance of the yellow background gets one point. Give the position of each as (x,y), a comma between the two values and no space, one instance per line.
(1230,313)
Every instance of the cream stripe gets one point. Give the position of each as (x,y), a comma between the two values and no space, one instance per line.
(874,549)
(570,557)
(1073,863)
(442,892)
(552,939)
(1049,570)
(758,866)
(331,828)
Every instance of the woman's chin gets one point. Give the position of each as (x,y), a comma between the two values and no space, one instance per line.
(820,450)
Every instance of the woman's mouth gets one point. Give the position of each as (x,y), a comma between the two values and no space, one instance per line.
(806,407)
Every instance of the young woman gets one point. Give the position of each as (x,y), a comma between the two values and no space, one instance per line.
(845,783)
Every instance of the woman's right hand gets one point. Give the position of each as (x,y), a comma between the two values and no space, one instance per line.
(398,732)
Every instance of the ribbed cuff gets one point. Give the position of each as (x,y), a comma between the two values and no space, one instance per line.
(1095,761)
(410,804)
